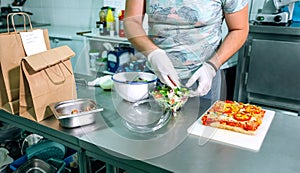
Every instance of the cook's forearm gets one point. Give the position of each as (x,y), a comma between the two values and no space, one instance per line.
(238,27)
(231,44)
(137,36)
(133,26)
(143,44)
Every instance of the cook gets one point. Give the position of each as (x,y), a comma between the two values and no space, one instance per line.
(184,41)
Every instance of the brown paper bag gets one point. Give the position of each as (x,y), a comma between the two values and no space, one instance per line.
(46,78)
(11,53)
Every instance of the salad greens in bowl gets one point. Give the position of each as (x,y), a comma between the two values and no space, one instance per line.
(170,98)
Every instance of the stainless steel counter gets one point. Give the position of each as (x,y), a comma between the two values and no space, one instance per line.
(170,149)
(276,30)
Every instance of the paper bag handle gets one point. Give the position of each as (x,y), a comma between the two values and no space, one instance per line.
(11,15)
(61,72)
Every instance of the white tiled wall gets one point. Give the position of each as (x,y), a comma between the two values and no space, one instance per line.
(80,13)
(77,13)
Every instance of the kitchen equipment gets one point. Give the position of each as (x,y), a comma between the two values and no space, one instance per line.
(30,140)
(18,2)
(58,164)
(133,86)
(3,169)
(118,57)
(9,132)
(36,165)
(45,150)
(18,19)
(296,15)
(5,159)
(74,113)
(272,12)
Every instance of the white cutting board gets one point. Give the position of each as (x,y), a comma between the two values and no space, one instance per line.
(251,142)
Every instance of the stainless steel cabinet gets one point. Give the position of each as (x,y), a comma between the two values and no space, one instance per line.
(268,68)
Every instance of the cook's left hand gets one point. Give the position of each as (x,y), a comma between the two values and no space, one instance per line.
(204,75)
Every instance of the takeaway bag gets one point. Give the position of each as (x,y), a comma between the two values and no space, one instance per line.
(45,78)
(11,53)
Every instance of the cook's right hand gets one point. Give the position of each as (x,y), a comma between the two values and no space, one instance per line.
(163,68)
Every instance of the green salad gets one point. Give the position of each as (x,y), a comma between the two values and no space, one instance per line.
(170,98)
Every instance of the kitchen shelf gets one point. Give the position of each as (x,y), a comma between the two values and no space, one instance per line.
(95,43)
(114,39)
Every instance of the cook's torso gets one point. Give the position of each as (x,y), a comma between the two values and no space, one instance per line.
(189,30)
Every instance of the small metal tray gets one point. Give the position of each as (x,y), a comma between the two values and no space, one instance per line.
(36,165)
(74,113)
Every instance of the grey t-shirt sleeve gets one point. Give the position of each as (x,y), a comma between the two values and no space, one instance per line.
(231,6)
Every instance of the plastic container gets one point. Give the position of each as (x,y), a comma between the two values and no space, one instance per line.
(118,57)
(45,150)
(94,55)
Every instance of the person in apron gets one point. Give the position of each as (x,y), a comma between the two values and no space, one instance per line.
(183,42)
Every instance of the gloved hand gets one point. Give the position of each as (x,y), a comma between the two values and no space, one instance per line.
(204,75)
(163,68)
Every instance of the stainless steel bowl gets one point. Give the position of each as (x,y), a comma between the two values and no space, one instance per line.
(36,165)
(74,113)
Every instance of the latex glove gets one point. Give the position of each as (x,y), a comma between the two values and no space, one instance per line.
(163,68)
(204,75)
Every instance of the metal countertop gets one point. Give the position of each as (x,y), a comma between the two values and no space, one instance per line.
(108,140)
(278,153)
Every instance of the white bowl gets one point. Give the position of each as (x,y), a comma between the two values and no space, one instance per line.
(134,86)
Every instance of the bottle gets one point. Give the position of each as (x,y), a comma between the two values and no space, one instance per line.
(121,24)
(102,24)
(116,22)
(110,22)
(98,28)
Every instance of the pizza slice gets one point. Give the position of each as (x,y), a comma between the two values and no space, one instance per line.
(235,116)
